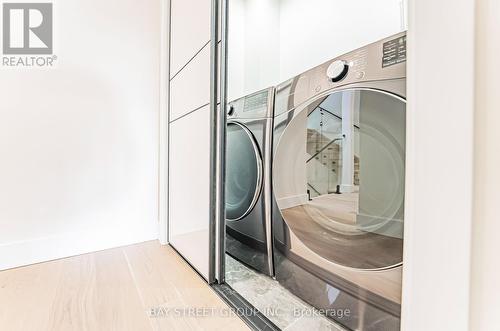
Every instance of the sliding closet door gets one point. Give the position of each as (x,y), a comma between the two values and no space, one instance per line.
(189,155)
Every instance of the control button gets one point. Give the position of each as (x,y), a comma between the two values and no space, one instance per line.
(360,74)
(337,70)
(230,111)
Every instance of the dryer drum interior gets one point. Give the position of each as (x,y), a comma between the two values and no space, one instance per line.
(339,177)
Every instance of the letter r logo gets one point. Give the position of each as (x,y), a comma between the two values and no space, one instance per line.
(27,28)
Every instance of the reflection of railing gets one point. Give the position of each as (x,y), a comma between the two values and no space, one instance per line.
(314,189)
(324,144)
(332,114)
(323,148)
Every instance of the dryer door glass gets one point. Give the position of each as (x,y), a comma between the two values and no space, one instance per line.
(243,172)
(339,177)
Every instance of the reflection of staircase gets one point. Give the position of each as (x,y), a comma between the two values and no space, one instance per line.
(356,170)
(318,143)
(323,164)
(324,149)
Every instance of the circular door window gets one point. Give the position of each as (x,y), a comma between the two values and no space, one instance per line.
(339,177)
(243,172)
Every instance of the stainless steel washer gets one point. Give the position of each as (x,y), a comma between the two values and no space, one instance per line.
(248,180)
(339,183)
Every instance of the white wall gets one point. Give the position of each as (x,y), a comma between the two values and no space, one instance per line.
(79,143)
(271,41)
(485,269)
(253,50)
(189,157)
(439,171)
(313,32)
(236,49)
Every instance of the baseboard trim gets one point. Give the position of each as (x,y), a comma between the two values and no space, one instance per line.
(293,201)
(27,252)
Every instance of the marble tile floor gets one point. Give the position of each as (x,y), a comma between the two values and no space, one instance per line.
(284,309)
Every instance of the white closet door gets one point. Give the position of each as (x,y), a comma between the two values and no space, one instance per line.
(189,198)
(189,155)
(190,89)
(190,31)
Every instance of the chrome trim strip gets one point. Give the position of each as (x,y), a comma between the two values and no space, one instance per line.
(221,231)
(260,170)
(268,142)
(214,176)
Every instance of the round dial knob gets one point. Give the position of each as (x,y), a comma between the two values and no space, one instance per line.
(337,70)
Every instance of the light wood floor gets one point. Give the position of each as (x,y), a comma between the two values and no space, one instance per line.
(110,290)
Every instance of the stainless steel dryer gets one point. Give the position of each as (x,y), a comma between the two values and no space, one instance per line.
(248,180)
(339,183)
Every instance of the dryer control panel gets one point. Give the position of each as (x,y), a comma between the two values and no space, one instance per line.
(337,70)
(394,52)
(256,105)
(382,60)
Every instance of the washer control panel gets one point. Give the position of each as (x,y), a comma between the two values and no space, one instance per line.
(337,70)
